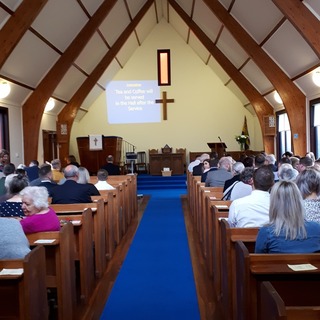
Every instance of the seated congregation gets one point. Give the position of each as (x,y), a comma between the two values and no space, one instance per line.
(64,224)
(251,216)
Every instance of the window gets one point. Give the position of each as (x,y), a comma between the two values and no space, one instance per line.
(284,133)
(315,127)
(4,129)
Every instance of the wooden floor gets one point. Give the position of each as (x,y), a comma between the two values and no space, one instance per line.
(209,307)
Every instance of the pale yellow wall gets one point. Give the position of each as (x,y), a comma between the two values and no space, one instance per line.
(203,109)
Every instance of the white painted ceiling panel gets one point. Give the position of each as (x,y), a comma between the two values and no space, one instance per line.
(199,48)
(69,84)
(186,5)
(17,95)
(147,23)
(313,6)
(135,6)
(290,50)
(128,49)
(226,3)
(92,53)
(109,73)
(4,16)
(112,27)
(218,70)
(204,18)
(253,18)
(179,25)
(256,77)
(12,4)
(60,21)
(231,49)
(92,96)
(307,86)
(92,5)
(30,60)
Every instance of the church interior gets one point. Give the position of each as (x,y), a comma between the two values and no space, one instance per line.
(212,68)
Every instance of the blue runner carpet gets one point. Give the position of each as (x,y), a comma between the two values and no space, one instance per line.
(156,279)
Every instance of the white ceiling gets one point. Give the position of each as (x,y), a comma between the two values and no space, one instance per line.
(60,21)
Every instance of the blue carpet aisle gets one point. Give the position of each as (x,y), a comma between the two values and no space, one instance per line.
(156,279)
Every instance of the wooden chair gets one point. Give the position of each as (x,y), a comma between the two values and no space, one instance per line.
(141,164)
(184,151)
(25,296)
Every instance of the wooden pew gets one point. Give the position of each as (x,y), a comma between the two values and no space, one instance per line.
(252,269)
(274,308)
(83,252)
(98,228)
(112,218)
(218,211)
(203,211)
(59,266)
(24,296)
(228,266)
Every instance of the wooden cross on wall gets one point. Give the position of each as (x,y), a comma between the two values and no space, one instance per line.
(164,102)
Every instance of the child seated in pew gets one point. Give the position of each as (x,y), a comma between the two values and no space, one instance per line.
(13,242)
(38,216)
(287,231)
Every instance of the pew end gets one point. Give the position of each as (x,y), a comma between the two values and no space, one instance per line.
(25,296)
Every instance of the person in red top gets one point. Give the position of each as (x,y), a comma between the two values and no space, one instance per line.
(38,216)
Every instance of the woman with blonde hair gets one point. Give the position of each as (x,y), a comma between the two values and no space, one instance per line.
(287,231)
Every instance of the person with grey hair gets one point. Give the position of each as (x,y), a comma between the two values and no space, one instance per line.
(84,178)
(71,191)
(57,175)
(217,178)
(102,183)
(237,168)
(287,172)
(38,216)
(308,182)
(12,206)
(287,230)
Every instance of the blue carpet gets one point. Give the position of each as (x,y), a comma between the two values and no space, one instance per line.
(156,280)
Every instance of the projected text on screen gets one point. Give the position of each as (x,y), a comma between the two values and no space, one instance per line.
(133,102)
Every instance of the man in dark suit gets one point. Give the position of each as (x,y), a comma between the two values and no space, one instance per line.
(113,169)
(71,191)
(45,178)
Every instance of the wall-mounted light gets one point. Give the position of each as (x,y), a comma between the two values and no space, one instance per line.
(50,105)
(164,72)
(316,77)
(277,97)
(4,89)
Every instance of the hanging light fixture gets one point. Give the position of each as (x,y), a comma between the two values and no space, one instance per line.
(50,105)
(4,89)
(316,77)
(277,97)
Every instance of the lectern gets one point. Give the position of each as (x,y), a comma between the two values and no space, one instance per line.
(219,147)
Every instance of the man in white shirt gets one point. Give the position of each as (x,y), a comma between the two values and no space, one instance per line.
(102,183)
(253,210)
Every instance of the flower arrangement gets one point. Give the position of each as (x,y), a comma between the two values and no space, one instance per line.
(242,138)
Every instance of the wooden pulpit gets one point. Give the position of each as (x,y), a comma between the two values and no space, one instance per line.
(219,147)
